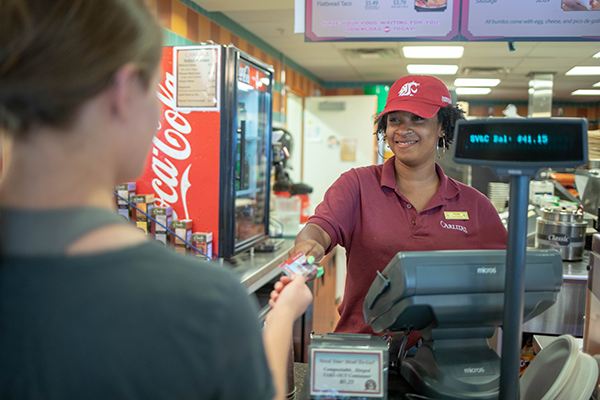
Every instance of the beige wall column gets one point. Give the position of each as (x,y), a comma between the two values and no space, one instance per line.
(540,95)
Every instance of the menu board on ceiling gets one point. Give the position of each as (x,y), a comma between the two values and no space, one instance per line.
(531,19)
(381,20)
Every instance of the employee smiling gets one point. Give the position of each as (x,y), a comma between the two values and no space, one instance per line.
(405,204)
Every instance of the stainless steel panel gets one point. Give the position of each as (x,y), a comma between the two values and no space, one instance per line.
(565,316)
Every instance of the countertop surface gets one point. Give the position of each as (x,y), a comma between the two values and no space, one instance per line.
(577,270)
(259,268)
(255,270)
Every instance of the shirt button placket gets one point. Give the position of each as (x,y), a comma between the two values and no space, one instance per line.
(410,207)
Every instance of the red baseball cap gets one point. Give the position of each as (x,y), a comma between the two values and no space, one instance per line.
(422,95)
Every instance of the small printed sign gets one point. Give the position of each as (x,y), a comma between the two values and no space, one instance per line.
(347,372)
(457,215)
(196,70)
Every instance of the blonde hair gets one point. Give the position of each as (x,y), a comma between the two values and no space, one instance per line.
(56,54)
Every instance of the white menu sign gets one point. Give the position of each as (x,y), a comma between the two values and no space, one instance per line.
(347,372)
(352,20)
(531,19)
(196,78)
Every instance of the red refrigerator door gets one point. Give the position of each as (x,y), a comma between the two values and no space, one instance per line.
(182,169)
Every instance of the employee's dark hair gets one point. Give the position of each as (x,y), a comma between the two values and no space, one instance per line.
(56,54)
(447,116)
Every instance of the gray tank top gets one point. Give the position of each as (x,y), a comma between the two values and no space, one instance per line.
(49,232)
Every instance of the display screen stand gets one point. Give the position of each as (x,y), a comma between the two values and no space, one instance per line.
(519,147)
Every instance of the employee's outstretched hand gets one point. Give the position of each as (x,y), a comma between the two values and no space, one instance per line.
(290,294)
(311,241)
(308,248)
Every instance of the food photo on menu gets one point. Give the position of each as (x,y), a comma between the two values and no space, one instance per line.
(581,5)
(430,5)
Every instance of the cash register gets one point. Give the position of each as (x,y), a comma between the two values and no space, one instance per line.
(455,299)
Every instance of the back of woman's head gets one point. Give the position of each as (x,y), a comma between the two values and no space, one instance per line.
(56,54)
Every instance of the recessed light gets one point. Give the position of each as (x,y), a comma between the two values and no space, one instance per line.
(433,51)
(432,69)
(476,82)
(472,90)
(597,55)
(586,92)
(597,84)
(584,71)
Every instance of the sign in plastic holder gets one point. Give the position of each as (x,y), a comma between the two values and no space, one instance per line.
(348,366)
(196,72)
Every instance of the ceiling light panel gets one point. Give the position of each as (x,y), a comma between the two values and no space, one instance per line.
(432,69)
(597,84)
(586,92)
(433,51)
(472,90)
(584,71)
(597,55)
(471,82)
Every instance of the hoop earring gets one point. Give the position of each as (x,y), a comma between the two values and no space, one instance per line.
(380,139)
(437,150)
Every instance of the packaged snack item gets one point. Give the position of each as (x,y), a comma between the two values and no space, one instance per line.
(163,215)
(301,265)
(183,229)
(145,203)
(126,190)
(527,355)
(203,242)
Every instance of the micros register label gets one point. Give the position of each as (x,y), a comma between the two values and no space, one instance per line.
(347,372)
(457,215)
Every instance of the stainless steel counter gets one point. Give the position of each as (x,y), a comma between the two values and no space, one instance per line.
(576,270)
(566,316)
(258,269)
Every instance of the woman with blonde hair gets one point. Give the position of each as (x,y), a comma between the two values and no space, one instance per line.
(89,308)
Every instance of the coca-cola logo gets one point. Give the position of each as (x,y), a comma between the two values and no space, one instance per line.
(169,184)
(560,238)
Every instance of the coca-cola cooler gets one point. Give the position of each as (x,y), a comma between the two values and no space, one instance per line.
(211,155)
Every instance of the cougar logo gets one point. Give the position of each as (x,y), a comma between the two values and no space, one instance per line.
(408,89)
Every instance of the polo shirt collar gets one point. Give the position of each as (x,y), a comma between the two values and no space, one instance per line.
(388,174)
(447,189)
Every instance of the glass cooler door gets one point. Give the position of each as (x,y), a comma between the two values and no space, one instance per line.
(252,177)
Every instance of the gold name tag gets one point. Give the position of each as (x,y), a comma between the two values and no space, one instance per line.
(459,215)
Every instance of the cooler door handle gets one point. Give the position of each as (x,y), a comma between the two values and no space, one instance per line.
(242,132)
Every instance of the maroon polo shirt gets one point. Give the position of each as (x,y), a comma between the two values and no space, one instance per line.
(364,213)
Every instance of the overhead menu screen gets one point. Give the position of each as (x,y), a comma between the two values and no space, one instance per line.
(530,19)
(381,20)
(537,140)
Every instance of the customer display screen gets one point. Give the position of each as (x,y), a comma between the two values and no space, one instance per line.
(548,140)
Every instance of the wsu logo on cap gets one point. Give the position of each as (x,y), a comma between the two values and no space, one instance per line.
(408,89)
